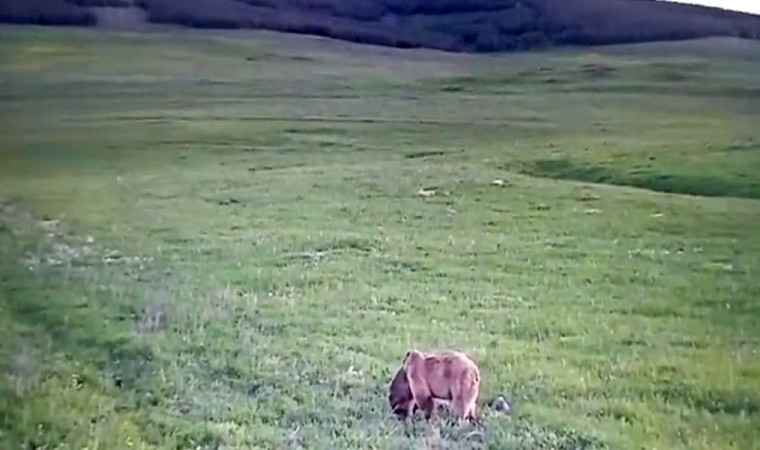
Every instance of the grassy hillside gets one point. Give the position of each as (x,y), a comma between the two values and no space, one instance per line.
(219,240)
(457,25)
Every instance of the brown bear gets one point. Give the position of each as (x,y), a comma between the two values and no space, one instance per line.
(426,380)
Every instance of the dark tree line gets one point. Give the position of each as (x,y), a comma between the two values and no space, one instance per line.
(44,12)
(460,25)
(109,3)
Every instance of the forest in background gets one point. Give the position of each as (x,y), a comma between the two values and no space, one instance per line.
(454,25)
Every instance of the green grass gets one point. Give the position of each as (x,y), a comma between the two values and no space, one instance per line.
(215,240)
(647,178)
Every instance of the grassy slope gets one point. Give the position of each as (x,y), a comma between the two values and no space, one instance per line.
(242,256)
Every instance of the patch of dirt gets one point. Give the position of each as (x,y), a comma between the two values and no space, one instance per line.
(424,154)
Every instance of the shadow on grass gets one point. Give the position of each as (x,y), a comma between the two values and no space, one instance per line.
(76,325)
(646,179)
(68,363)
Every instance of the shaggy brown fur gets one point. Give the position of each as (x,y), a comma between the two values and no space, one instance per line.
(426,380)
(400,396)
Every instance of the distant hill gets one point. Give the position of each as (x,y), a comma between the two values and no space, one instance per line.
(456,25)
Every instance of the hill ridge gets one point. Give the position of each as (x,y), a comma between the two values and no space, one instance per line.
(451,25)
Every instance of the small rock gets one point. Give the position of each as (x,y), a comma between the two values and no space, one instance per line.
(426,192)
(475,437)
(112,256)
(500,404)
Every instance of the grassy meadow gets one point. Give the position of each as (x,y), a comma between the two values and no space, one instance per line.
(228,240)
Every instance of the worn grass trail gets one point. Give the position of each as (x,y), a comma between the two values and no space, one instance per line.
(219,240)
